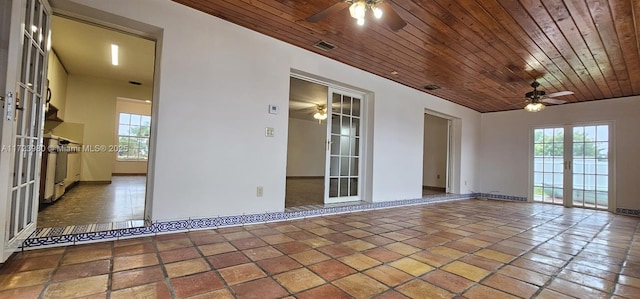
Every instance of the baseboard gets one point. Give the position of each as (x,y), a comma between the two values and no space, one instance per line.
(128,174)
(94,182)
(305,177)
(442,189)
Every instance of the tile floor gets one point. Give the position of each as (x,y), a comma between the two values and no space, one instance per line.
(85,204)
(463,249)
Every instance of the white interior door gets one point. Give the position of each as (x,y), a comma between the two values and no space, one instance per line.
(571,166)
(23,119)
(344,147)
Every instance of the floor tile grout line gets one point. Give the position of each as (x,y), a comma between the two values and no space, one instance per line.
(629,247)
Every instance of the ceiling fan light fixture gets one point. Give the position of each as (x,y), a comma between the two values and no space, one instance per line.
(377,12)
(321,114)
(534,107)
(357,10)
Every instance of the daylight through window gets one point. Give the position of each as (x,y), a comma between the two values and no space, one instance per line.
(133,137)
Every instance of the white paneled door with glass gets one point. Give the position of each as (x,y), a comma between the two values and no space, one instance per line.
(572,166)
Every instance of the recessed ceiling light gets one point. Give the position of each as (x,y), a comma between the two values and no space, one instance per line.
(431,87)
(394,73)
(114,54)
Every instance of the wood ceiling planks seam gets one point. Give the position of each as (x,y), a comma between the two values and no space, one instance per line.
(483,53)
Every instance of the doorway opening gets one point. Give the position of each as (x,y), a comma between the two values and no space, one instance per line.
(325,145)
(436,155)
(99,116)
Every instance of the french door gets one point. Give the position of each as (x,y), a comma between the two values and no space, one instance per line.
(572,166)
(23,120)
(343,147)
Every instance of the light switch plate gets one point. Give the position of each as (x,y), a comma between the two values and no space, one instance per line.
(273,109)
(269,132)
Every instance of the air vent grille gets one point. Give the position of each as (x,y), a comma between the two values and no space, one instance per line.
(324,46)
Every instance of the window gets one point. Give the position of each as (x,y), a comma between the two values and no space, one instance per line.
(133,137)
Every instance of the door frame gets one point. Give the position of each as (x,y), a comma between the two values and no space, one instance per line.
(567,195)
(449,153)
(366,127)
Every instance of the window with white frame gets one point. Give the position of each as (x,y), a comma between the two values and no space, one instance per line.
(133,137)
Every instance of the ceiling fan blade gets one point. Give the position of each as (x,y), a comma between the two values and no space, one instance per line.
(328,11)
(553,101)
(391,17)
(298,105)
(559,94)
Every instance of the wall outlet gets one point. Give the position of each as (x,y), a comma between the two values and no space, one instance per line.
(465,182)
(438,176)
(269,132)
(259,191)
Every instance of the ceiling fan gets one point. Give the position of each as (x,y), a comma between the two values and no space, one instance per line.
(537,98)
(358,9)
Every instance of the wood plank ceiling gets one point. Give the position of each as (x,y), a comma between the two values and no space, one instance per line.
(483,54)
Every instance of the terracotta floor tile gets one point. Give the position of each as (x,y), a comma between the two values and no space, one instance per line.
(31,263)
(360,286)
(217,294)
(24,292)
(382,254)
(525,275)
(550,294)
(216,248)
(277,239)
(324,291)
(627,291)
(338,237)
(431,258)
(482,262)
(321,231)
(544,259)
(298,280)
(448,281)
(359,261)
(411,266)
(378,240)
(285,228)
(611,276)
(462,246)
(228,259)
(331,269)
(278,264)
(475,242)
(24,279)
(264,288)
(134,249)
(241,273)
(510,285)
(495,255)
(396,236)
(534,266)
(121,263)
(187,267)
(173,244)
(467,271)
(317,242)
(300,235)
(261,253)
(207,239)
(136,277)
(629,281)
(292,247)
(179,254)
(418,289)
(336,250)
(391,294)
(484,292)
(402,248)
(575,290)
(191,285)
(309,257)
(446,251)
(237,235)
(586,280)
(358,233)
(388,275)
(77,257)
(77,287)
(248,243)
(157,290)
(74,271)
(359,245)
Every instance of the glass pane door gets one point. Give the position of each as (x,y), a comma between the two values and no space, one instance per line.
(343,147)
(548,165)
(28,119)
(590,166)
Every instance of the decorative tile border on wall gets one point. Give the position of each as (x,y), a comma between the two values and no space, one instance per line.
(630,212)
(62,236)
(501,197)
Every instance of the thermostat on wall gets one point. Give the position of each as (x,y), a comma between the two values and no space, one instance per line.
(273,109)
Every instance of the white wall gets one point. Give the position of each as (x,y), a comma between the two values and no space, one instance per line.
(306,148)
(434,172)
(506,141)
(135,107)
(214,89)
(92,102)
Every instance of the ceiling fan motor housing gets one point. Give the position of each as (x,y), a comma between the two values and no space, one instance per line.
(536,94)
